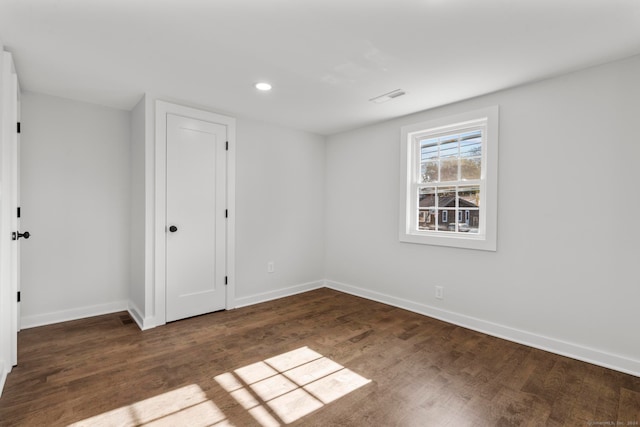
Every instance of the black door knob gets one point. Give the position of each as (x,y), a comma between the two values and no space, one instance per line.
(173,229)
(16,235)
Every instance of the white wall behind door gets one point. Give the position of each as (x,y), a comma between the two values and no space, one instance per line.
(76,203)
(280,210)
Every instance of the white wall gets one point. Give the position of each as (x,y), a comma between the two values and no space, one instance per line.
(279,211)
(76,203)
(564,276)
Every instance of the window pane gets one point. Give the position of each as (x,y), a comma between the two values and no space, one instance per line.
(426,219)
(471,144)
(468,197)
(429,149)
(427,198)
(470,168)
(449,146)
(429,172)
(473,224)
(446,197)
(446,219)
(449,169)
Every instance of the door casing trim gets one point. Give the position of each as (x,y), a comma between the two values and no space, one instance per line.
(162,109)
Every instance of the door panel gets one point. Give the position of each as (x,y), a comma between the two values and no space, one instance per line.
(196,174)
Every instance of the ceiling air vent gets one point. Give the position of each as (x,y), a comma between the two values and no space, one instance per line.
(388,96)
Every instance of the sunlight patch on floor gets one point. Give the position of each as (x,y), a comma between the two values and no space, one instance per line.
(188,405)
(275,391)
(285,388)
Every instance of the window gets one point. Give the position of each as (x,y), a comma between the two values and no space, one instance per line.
(449,181)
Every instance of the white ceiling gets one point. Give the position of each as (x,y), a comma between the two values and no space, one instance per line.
(325,58)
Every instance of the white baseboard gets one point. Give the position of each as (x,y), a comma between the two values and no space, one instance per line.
(73,314)
(143,323)
(278,293)
(563,348)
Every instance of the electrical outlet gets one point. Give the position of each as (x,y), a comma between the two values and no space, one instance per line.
(271,267)
(439,292)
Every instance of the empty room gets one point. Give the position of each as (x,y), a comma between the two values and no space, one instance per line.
(319,213)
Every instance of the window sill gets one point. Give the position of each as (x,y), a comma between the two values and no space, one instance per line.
(477,242)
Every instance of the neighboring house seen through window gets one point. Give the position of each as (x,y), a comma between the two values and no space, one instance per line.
(450,168)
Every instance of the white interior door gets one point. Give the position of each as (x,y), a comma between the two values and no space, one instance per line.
(9,198)
(195,212)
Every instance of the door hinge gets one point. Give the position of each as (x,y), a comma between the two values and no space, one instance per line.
(18,127)
(18,296)
(226,213)
(226,280)
(226,147)
(18,211)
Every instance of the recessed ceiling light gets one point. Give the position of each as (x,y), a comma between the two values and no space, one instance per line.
(263,86)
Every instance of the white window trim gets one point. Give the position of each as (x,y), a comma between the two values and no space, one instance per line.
(488,187)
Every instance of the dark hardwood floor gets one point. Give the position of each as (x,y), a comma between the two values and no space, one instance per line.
(322,358)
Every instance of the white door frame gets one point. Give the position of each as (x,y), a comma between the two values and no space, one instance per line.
(15,204)
(162,109)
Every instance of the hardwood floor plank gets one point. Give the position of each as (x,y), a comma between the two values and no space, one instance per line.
(629,407)
(411,371)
